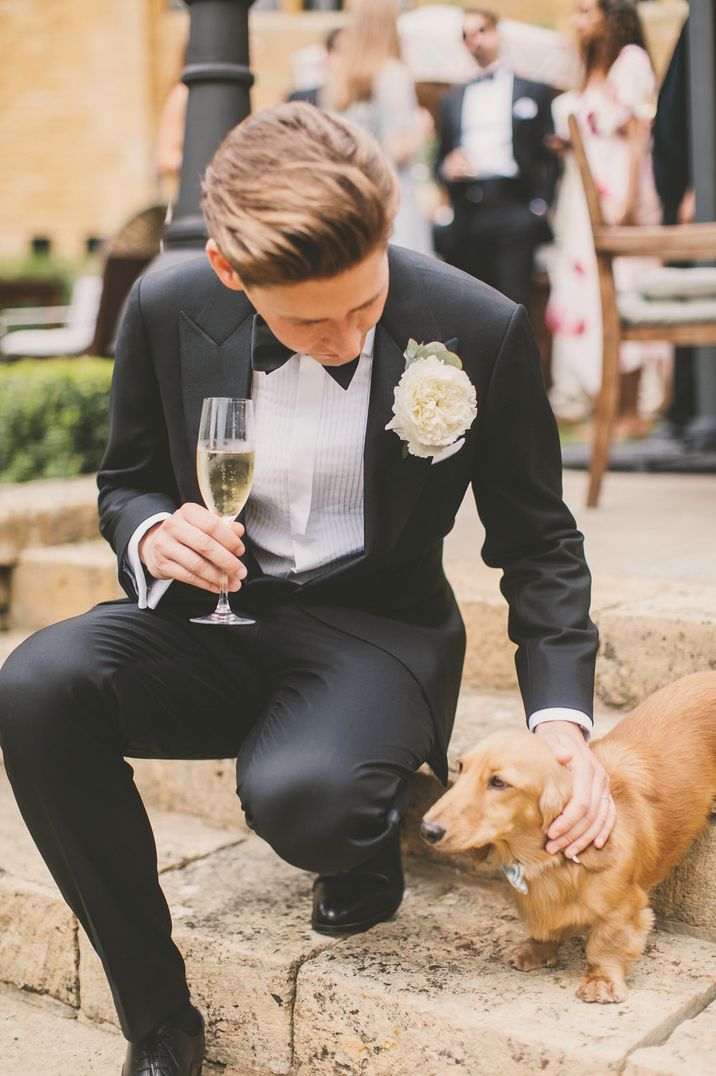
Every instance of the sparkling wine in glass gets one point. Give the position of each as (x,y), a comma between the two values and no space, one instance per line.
(225,469)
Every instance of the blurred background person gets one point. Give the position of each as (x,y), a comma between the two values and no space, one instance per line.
(314,94)
(369,84)
(674,183)
(615,109)
(499,173)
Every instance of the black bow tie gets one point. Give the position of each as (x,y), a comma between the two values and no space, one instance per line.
(269,354)
(484,76)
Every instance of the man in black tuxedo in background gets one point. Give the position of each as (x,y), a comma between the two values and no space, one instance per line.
(349,678)
(499,173)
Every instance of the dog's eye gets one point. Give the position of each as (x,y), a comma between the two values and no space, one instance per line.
(497,782)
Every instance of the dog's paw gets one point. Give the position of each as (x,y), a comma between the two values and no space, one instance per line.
(530,954)
(603,990)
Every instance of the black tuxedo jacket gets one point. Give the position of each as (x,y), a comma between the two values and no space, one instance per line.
(186,336)
(538,165)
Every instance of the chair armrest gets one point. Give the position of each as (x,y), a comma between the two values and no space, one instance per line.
(687,242)
(22,316)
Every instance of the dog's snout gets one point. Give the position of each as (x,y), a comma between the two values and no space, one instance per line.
(431,832)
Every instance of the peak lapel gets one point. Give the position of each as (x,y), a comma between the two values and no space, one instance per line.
(215,356)
(393,483)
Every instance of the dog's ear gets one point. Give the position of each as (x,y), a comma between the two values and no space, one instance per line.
(551,802)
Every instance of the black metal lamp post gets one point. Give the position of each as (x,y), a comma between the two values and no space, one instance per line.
(219,79)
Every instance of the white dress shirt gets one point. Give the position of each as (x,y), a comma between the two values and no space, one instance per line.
(306,505)
(487,124)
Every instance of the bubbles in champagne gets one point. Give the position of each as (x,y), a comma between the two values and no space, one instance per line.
(225,478)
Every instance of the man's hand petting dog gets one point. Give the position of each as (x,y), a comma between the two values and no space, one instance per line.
(590,814)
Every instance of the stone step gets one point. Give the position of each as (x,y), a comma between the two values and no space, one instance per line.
(652,632)
(38,933)
(423,994)
(51,583)
(47,512)
(41,1037)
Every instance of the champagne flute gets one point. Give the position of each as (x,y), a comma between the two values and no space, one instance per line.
(225,469)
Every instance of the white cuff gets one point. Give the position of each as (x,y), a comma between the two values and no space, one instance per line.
(562,713)
(148,596)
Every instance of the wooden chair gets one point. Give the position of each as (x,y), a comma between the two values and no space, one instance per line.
(127,256)
(680,243)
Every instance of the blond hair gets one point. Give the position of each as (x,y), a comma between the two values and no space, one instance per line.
(296,194)
(368,42)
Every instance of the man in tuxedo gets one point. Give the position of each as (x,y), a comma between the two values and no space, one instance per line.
(349,678)
(494,162)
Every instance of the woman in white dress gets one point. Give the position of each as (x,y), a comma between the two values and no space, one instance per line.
(370,85)
(614,110)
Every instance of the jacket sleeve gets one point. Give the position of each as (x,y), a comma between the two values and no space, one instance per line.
(547,164)
(448,137)
(136,478)
(530,533)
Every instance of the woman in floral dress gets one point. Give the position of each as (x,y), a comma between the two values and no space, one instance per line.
(614,110)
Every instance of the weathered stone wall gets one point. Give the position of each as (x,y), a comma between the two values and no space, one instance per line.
(75,118)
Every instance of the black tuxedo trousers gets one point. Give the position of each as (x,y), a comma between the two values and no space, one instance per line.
(326,728)
(495,240)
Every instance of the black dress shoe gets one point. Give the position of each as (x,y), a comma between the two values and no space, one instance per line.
(168,1051)
(356,900)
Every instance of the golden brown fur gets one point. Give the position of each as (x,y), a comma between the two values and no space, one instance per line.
(661,761)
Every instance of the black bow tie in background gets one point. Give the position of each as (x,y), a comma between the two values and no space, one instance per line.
(268,354)
(485,76)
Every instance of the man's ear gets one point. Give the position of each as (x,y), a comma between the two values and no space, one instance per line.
(223,267)
(552,801)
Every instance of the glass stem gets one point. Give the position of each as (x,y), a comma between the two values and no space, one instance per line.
(223,608)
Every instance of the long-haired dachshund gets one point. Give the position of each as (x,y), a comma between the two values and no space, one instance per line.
(661,762)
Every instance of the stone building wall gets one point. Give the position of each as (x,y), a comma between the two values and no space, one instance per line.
(75,118)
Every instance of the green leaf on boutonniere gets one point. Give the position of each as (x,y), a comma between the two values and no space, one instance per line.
(404,452)
(414,352)
(449,358)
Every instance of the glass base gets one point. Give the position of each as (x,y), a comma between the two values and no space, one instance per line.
(224,620)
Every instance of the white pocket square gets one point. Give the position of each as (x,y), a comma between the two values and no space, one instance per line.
(449,450)
(525,108)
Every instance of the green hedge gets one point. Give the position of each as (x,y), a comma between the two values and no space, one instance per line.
(53,417)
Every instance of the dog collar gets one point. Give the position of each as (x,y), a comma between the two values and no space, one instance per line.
(515,874)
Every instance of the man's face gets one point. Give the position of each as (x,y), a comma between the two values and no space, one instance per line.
(481,39)
(327,319)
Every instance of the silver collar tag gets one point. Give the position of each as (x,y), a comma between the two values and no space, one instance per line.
(515,875)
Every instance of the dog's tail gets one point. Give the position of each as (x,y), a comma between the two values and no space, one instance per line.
(665,751)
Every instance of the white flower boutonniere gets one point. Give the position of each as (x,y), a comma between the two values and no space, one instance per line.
(435,401)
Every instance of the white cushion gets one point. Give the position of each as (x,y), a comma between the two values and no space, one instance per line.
(72,339)
(636,310)
(669,283)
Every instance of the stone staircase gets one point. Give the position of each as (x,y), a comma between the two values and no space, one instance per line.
(425,994)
